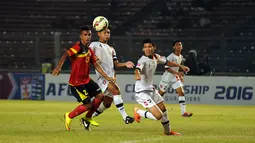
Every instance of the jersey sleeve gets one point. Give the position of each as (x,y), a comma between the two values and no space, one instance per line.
(92,56)
(140,64)
(114,55)
(74,50)
(161,59)
(96,49)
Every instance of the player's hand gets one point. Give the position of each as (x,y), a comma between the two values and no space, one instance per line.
(185,69)
(56,72)
(130,64)
(110,79)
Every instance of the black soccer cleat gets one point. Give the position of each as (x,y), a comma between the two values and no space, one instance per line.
(85,124)
(129,120)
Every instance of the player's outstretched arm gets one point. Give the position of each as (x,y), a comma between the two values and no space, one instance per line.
(127,64)
(117,64)
(137,74)
(60,64)
(173,64)
(101,71)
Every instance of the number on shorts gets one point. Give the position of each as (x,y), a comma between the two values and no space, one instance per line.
(85,92)
(145,103)
(104,82)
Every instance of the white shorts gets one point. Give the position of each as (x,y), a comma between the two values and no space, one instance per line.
(103,84)
(174,83)
(148,99)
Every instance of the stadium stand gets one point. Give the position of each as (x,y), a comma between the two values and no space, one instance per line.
(221,31)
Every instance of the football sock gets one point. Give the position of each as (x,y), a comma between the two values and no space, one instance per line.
(77,111)
(145,114)
(166,123)
(182,103)
(95,104)
(99,110)
(119,104)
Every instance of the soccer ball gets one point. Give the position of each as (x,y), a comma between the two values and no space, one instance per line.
(100,23)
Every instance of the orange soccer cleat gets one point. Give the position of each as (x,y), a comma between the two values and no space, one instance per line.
(187,114)
(173,133)
(136,115)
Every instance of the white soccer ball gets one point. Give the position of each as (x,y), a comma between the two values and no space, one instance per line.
(100,23)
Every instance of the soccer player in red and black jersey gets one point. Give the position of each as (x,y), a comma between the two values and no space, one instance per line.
(82,87)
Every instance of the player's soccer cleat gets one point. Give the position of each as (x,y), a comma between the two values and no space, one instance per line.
(173,133)
(85,124)
(187,114)
(68,121)
(136,115)
(129,120)
(91,121)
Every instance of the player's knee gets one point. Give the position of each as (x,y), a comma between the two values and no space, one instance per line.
(158,116)
(107,102)
(88,106)
(163,109)
(116,91)
(107,105)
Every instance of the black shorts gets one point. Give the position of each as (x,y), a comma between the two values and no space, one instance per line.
(84,93)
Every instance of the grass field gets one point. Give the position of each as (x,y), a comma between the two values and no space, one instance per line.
(42,121)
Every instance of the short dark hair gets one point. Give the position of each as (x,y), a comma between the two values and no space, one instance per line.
(176,41)
(148,41)
(84,28)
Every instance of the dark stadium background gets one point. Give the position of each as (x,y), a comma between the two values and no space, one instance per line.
(221,32)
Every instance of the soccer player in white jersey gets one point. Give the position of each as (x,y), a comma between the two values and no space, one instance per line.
(107,58)
(172,77)
(146,94)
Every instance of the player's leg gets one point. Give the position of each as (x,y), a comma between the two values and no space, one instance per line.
(108,99)
(103,106)
(153,112)
(178,86)
(117,99)
(165,120)
(163,86)
(80,94)
(103,84)
(156,97)
(95,91)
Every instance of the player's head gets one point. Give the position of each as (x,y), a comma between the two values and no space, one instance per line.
(104,35)
(177,46)
(85,34)
(148,47)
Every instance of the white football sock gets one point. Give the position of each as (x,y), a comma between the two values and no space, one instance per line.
(119,104)
(145,114)
(182,103)
(99,110)
(166,123)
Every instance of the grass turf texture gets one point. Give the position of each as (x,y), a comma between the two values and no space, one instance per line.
(42,121)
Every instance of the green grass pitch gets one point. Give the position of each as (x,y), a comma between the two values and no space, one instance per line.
(42,122)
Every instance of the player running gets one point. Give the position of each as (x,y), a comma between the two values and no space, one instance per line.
(172,77)
(107,58)
(146,94)
(82,87)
